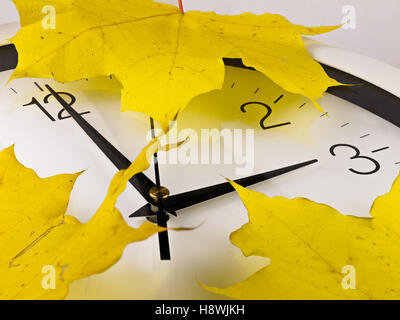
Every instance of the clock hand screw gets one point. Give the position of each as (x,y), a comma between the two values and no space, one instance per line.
(159,192)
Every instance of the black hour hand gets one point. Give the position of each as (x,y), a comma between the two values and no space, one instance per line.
(190,198)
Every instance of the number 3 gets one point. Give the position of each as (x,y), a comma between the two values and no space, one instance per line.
(357,156)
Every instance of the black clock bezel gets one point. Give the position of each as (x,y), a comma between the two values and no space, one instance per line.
(361,93)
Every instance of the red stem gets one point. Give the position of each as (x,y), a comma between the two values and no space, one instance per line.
(181,6)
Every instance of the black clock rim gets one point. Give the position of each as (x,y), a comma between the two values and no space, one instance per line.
(361,93)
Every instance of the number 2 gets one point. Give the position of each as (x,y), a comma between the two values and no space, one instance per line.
(60,113)
(269,111)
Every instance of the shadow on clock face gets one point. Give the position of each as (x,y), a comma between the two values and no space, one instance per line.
(253,101)
(252,126)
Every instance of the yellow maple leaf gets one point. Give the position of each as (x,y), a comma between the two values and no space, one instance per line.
(163,58)
(317,253)
(42,249)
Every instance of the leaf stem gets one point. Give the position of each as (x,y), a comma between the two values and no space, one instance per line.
(181,6)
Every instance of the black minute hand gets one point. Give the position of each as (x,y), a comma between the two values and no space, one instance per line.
(190,198)
(140,181)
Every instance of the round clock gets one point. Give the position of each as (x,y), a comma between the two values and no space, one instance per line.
(250,130)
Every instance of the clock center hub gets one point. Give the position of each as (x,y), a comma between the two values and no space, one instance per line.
(159,192)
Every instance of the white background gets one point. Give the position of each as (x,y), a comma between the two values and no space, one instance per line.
(377,21)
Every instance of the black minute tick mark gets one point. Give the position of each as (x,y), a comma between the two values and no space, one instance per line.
(14,90)
(381,149)
(302,105)
(37,85)
(346,124)
(280,97)
(323,115)
(233,84)
(364,136)
(256,90)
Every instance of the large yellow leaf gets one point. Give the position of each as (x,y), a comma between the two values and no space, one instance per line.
(163,58)
(317,253)
(37,240)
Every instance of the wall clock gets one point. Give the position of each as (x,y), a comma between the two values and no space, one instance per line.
(345,158)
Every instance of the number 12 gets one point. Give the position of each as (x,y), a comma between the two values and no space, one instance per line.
(35,102)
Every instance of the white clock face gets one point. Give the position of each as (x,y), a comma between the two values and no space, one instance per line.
(358,158)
